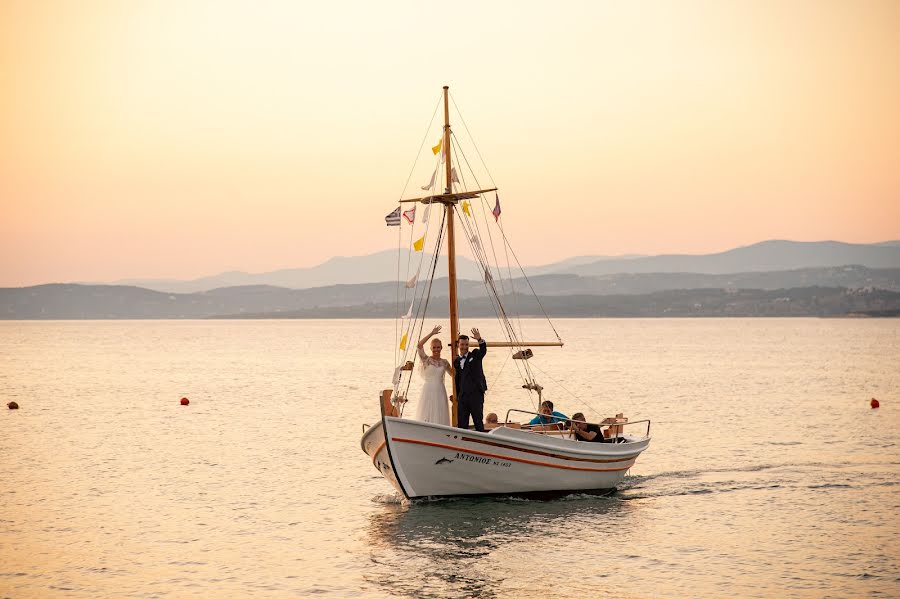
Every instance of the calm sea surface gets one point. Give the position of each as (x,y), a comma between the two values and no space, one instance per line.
(768,474)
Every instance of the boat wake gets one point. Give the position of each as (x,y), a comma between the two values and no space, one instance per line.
(389,499)
(679,482)
(668,484)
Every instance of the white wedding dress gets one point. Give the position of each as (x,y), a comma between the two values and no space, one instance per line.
(433,403)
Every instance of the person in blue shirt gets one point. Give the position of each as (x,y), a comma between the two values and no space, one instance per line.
(548,415)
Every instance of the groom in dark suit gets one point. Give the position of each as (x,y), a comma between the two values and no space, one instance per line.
(470,382)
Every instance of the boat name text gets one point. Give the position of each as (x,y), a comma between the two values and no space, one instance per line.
(480,460)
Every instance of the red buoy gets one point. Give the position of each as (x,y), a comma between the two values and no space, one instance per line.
(185,401)
(12,405)
(874,403)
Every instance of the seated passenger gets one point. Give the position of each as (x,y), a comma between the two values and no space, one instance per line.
(587,432)
(548,416)
(491,420)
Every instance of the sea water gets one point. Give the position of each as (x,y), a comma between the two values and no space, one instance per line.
(768,473)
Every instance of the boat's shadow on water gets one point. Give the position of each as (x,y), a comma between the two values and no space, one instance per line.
(438,548)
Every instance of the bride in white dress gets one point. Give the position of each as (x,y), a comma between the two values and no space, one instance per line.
(433,404)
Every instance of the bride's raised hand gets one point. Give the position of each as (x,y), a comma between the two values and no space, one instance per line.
(436,330)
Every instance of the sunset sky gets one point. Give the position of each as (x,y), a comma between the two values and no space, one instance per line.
(181,139)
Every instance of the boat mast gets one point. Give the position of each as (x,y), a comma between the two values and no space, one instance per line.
(451,250)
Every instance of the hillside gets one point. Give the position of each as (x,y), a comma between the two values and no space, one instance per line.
(562,294)
(766,256)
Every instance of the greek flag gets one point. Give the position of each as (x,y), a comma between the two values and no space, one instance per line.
(393,219)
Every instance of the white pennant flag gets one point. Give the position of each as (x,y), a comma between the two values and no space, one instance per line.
(408,314)
(453,177)
(396,380)
(412,282)
(431,182)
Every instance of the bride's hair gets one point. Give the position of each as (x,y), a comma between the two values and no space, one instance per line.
(427,359)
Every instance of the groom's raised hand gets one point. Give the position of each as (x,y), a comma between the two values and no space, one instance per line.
(482,346)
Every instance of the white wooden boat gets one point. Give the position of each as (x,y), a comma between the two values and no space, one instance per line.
(430,460)
(422,459)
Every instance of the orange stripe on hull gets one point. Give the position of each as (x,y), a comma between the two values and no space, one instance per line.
(508,458)
(547,454)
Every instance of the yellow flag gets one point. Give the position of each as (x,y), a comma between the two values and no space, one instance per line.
(437,148)
(403,342)
(466,208)
(419,244)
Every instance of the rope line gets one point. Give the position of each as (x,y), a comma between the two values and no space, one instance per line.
(499,282)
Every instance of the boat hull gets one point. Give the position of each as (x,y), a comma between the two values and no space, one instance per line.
(421,459)
(373,444)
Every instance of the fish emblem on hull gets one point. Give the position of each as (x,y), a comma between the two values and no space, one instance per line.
(443,461)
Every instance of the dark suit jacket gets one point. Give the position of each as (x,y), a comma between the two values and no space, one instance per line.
(470,380)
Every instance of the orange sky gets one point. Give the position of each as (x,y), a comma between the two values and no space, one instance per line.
(179,139)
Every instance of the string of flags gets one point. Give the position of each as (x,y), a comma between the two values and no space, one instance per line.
(393,218)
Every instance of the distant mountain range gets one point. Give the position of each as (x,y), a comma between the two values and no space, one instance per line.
(752,280)
(772,255)
(121,301)
(766,256)
(340,270)
(694,303)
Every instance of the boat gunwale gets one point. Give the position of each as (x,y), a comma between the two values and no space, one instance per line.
(366,433)
(529,443)
(608,460)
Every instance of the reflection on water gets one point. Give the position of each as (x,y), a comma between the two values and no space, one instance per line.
(438,548)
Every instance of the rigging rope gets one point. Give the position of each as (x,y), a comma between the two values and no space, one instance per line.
(528,377)
(499,311)
(499,226)
(472,229)
(484,205)
(592,408)
(397,327)
(474,145)
(473,236)
(423,309)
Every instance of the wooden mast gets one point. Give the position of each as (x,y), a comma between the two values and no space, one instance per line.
(451,251)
